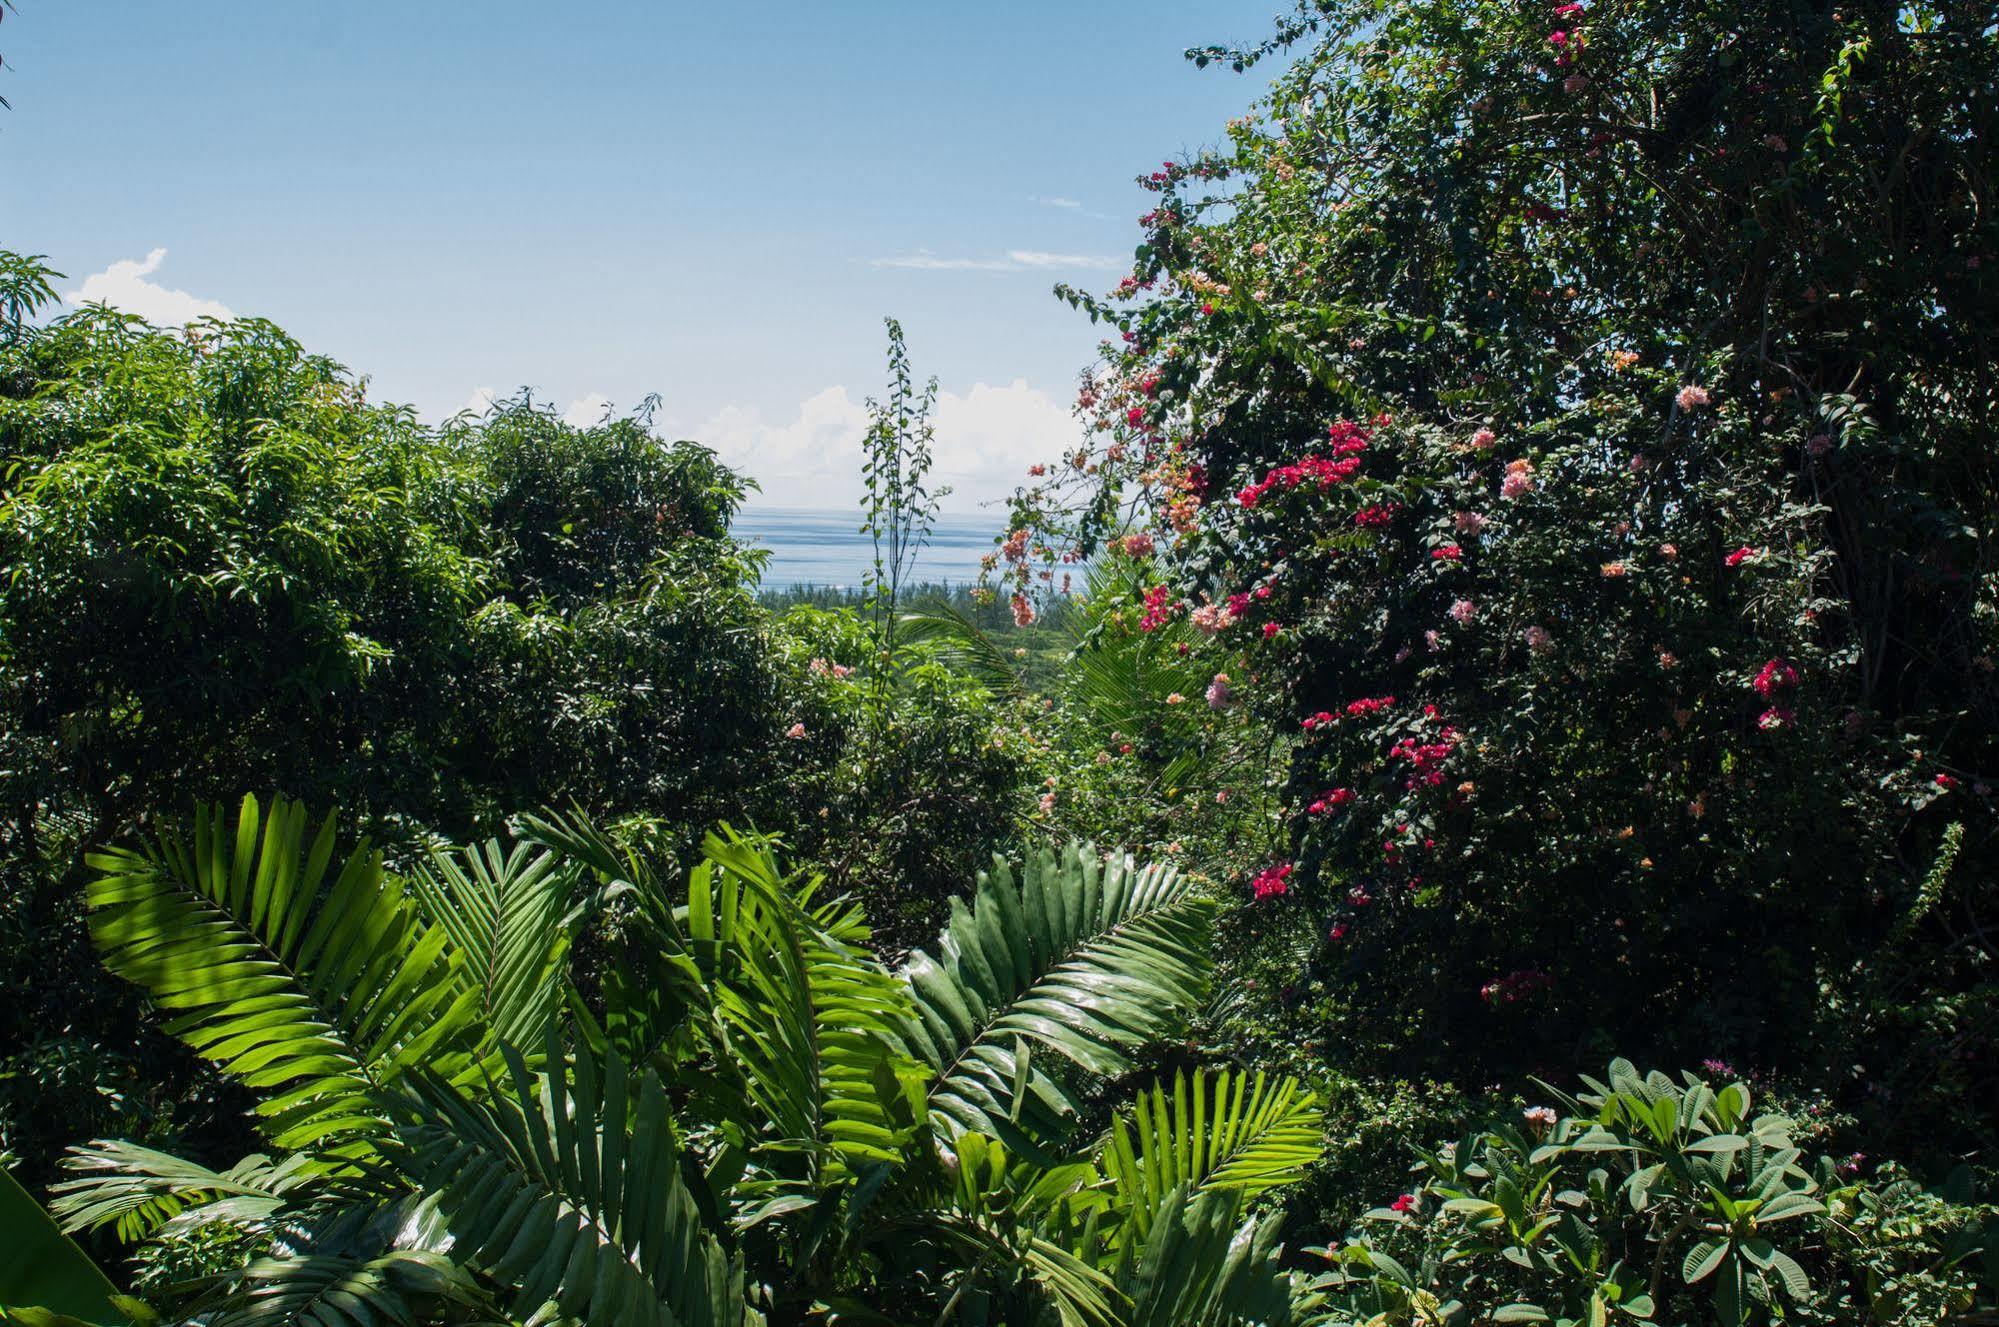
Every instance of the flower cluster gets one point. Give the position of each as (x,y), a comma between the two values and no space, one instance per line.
(1775,676)
(1349,441)
(1425,759)
(1160,608)
(1270,882)
(1514,986)
(1331,800)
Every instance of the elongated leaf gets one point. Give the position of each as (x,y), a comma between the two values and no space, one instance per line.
(1234,1131)
(1089,959)
(566,1186)
(316,990)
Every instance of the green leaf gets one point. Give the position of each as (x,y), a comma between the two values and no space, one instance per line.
(1702,1259)
(41,1266)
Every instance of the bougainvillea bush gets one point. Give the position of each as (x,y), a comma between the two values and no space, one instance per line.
(1580,418)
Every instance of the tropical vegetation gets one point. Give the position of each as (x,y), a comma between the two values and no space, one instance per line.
(1524,599)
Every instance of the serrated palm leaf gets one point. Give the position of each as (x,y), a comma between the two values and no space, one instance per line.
(318,989)
(137,1190)
(508,915)
(1236,1130)
(1085,958)
(808,1015)
(567,1188)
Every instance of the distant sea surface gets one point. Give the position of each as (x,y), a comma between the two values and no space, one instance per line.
(827,548)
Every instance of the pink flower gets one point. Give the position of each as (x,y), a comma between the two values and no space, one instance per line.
(1160,608)
(1270,629)
(1538,639)
(797,730)
(1176,699)
(1774,718)
(1023,611)
(1946,782)
(1691,397)
(1270,882)
(1375,517)
(1539,1118)
(1338,933)
(1047,803)
(1669,551)
(1218,692)
(1519,479)
(1468,522)
(1484,438)
(1211,618)
(1463,611)
(1136,545)
(1776,675)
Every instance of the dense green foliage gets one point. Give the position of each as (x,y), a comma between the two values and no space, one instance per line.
(221,562)
(759,1123)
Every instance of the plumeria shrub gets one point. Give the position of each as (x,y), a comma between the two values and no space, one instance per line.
(1578,417)
(1650,1199)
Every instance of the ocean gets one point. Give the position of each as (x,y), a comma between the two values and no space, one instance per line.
(827,548)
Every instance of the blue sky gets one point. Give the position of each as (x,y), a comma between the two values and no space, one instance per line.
(607,198)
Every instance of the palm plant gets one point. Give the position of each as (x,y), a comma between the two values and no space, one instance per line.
(752,1120)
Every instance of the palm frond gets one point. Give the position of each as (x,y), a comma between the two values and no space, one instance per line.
(1086,958)
(317,992)
(510,917)
(1236,1131)
(568,1188)
(808,1015)
(138,1190)
(1198,1267)
(388,1289)
(962,643)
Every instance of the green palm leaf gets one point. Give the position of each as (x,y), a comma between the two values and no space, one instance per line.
(138,1190)
(1233,1131)
(568,1188)
(807,1014)
(1198,1267)
(509,916)
(1085,958)
(316,992)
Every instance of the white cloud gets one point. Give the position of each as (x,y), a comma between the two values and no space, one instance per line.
(123,286)
(985,440)
(1054,202)
(1016,260)
(585,411)
(481,400)
(925,261)
(1036,259)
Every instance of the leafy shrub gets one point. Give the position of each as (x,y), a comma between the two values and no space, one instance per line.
(1644,1199)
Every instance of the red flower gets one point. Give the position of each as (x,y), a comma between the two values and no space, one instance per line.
(1270,629)
(1406,1203)
(1739,556)
(1448,553)
(1270,882)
